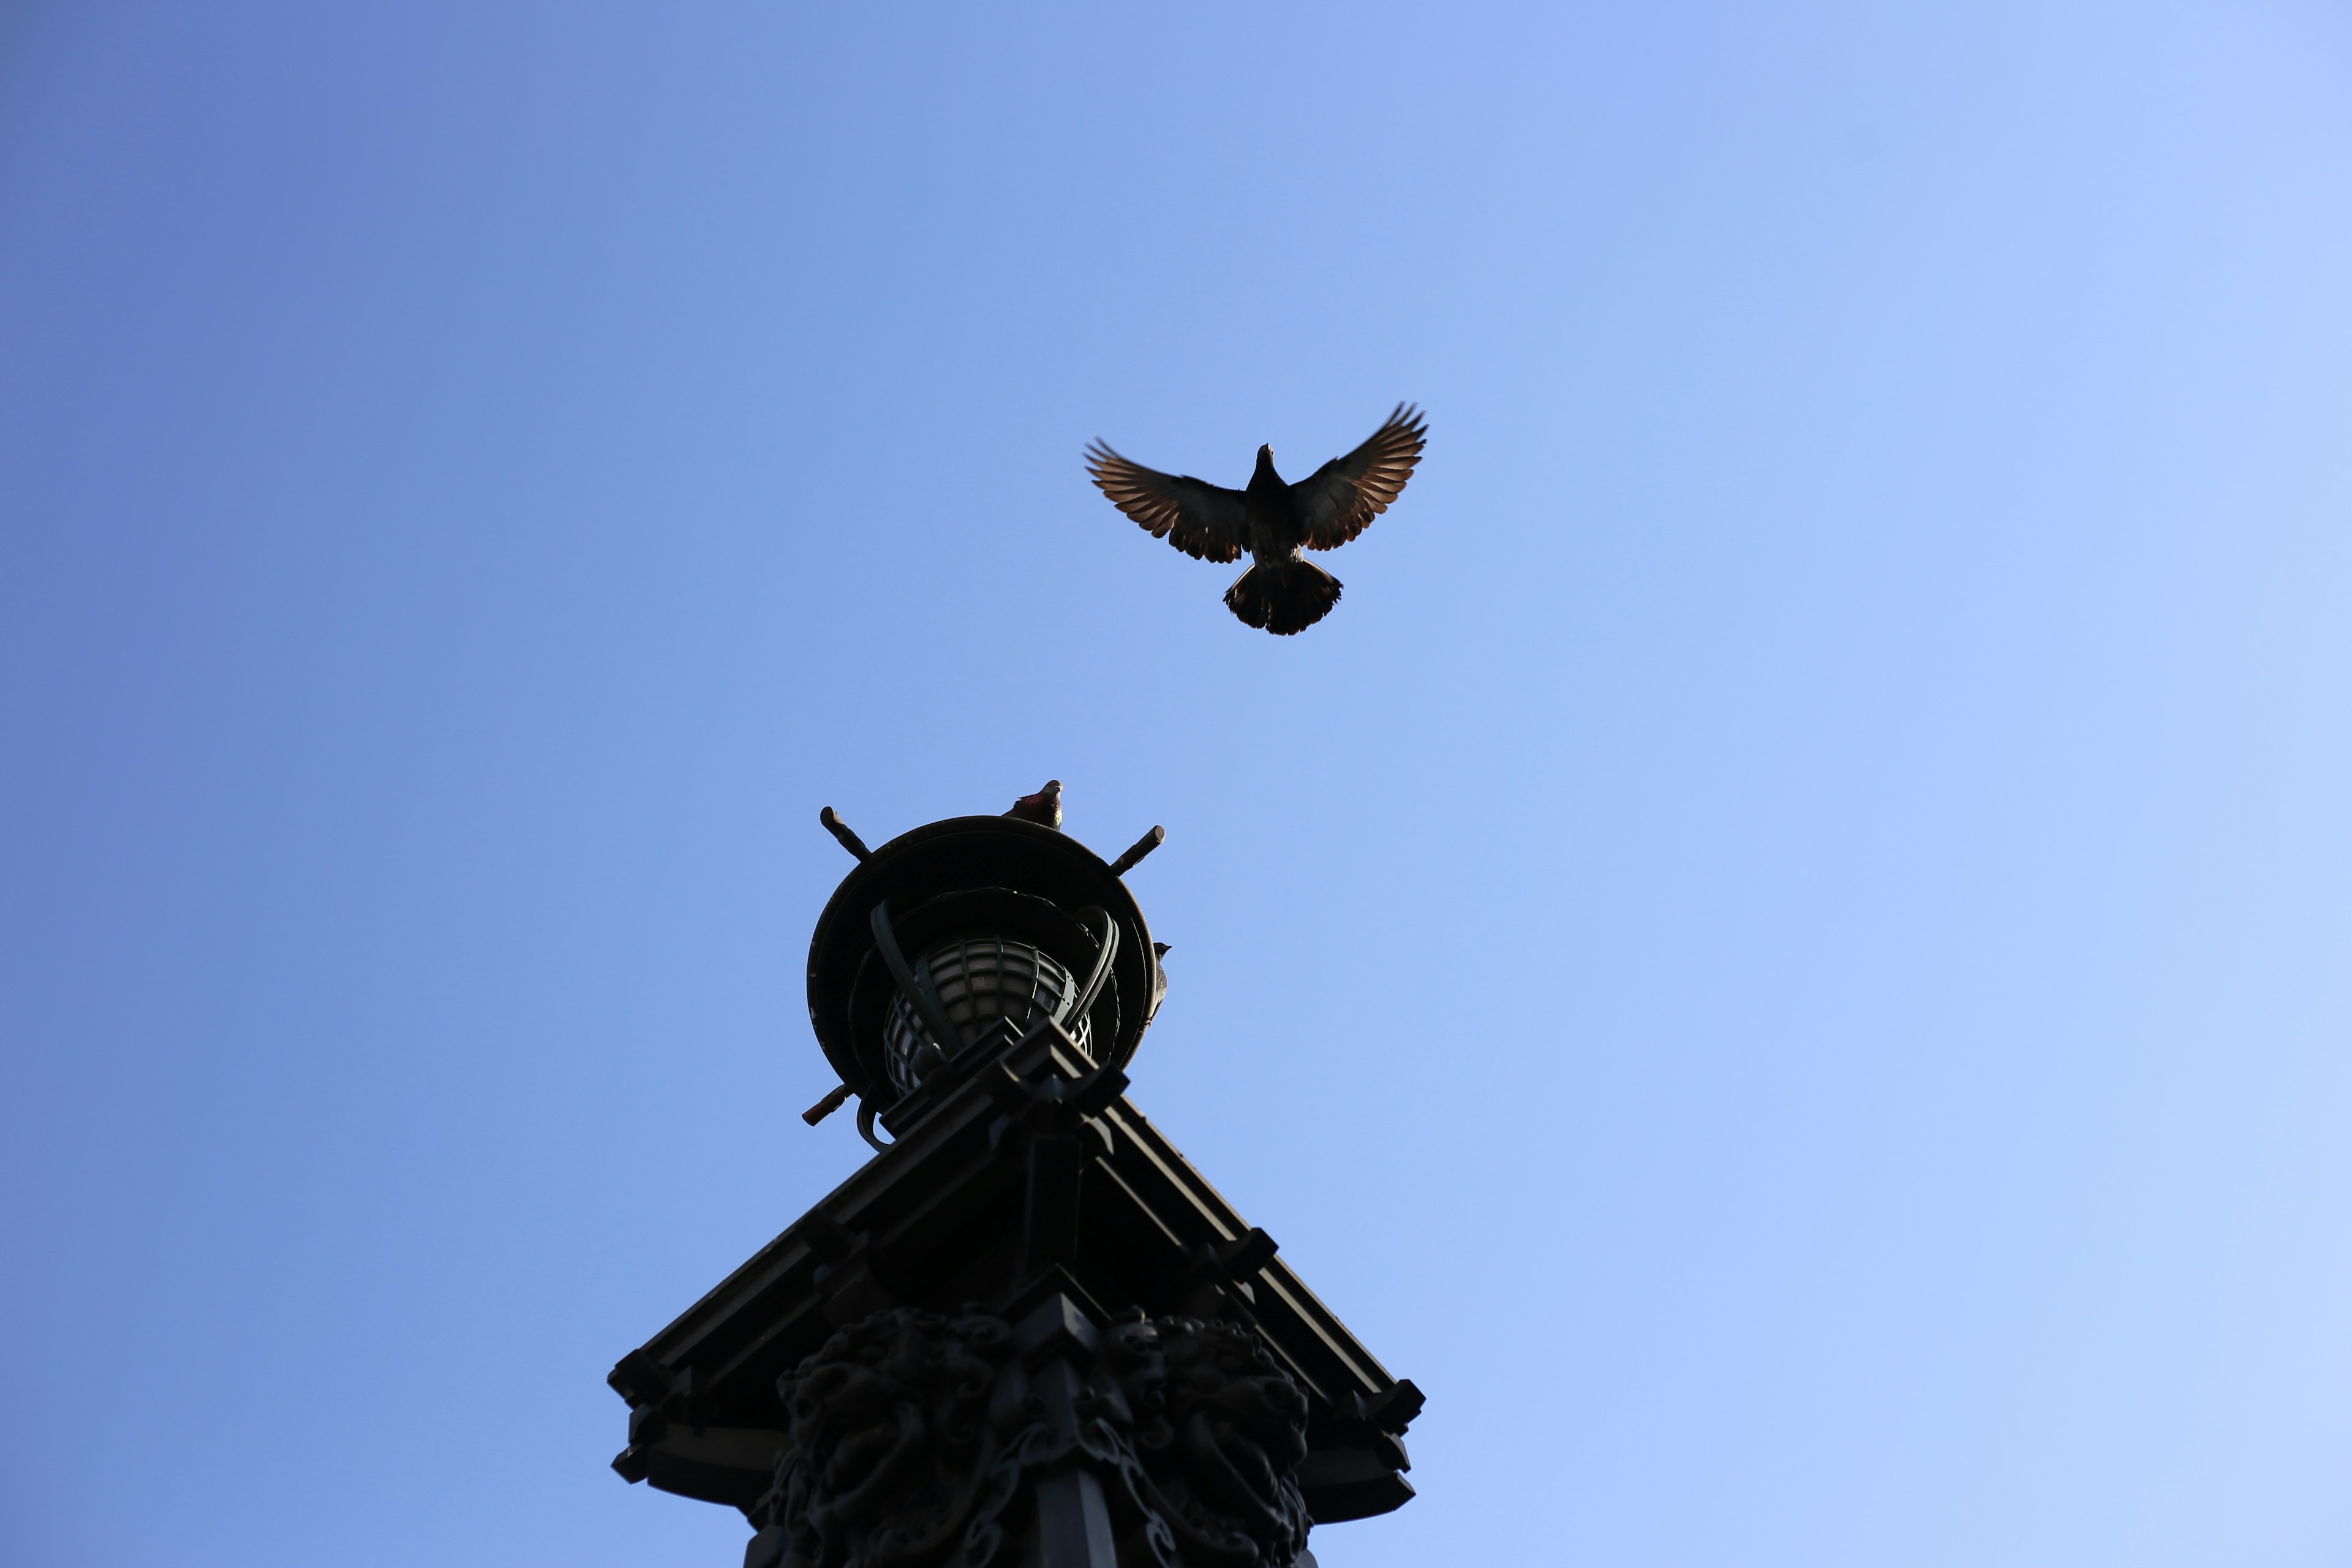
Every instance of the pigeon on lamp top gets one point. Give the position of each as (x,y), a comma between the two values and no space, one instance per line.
(1270,520)
(1044,808)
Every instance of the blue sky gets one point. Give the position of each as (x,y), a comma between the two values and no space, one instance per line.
(1783,952)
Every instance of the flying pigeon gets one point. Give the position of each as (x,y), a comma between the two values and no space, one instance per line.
(1271,521)
(1044,807)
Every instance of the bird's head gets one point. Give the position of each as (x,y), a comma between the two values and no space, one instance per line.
(1265,459)
(1053,788)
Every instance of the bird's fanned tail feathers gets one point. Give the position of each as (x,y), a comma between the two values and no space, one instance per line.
(1283,599)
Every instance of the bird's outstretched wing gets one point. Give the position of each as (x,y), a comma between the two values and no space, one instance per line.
(1202,520)
(1339,500)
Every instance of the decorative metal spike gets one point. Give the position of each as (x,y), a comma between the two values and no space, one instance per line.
(840,830)
(1138,850)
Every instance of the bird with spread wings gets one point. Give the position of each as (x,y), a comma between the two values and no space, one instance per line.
(1271,521)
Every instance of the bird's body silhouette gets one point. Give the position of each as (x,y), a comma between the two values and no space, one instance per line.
(1271,521)
(1044,807)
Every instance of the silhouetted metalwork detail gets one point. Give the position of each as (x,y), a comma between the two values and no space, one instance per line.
(1138,850)
(1026,1332)
(982,980)
(1000,876)
(1271,521)
(911,1435)
(827,1106)
(840,830)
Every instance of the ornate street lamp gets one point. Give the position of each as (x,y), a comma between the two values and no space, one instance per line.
(1027,1333)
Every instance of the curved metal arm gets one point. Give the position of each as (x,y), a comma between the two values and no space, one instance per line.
(915,987)
(1107,945)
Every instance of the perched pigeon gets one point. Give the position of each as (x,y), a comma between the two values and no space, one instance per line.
(1271,521)
(1044,807)
(1158,985)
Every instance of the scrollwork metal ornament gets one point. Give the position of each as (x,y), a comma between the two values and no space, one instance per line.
(920,1440)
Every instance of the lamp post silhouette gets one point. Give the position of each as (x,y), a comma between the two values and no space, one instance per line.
(1027,1333)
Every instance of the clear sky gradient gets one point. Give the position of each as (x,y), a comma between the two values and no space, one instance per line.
(1783,953)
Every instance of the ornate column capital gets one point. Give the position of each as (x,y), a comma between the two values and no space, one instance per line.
(920,1440)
